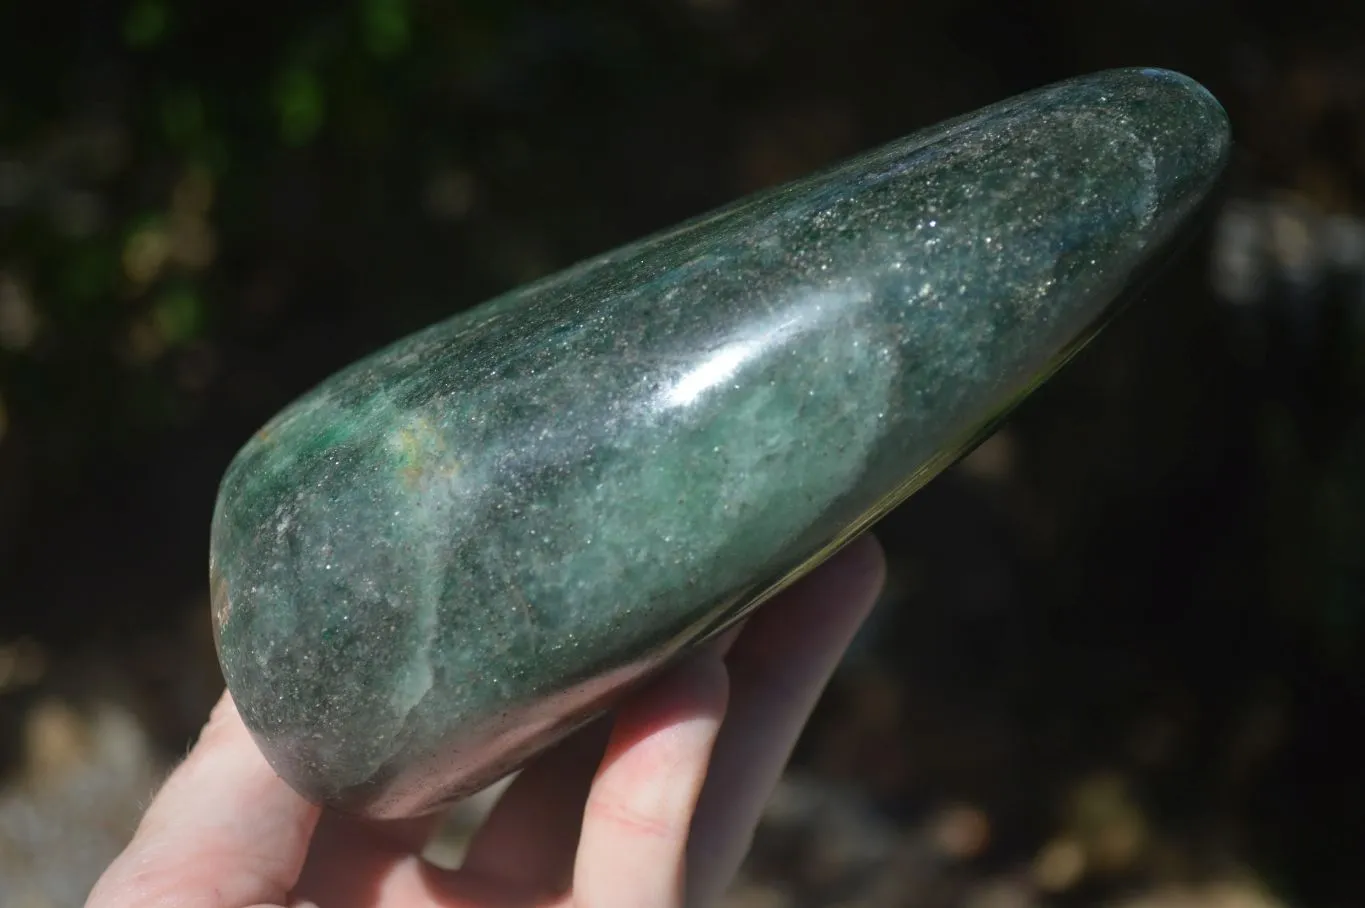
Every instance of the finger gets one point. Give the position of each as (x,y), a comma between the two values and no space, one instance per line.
(356,863)
(639,811)
(778,667)
(224,831)
(656,730)
(532,833)
(369,849)
(353,867)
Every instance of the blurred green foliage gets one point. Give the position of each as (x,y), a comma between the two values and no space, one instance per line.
(117,148)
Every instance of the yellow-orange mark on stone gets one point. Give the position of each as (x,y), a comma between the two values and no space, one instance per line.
(420,449)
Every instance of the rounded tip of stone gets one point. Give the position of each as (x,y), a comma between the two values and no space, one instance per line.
(1176,131)
(1195,91)
(1188,103)
(1178,79)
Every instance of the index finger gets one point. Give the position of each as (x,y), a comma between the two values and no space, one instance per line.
(224,831)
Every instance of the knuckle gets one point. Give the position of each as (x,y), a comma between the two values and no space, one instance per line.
(630,818)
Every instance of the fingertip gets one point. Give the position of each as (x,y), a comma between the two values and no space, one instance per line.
(697,689)
(857,571)
(778,668)
(223,829)
(639,811)
(869,547)
(803,631)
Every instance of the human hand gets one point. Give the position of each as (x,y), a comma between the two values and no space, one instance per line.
(654,806)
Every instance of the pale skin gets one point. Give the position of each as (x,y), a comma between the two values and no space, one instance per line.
(652,807)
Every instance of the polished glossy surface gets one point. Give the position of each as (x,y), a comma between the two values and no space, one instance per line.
(452,553)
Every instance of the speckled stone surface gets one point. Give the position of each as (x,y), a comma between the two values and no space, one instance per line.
(455,551)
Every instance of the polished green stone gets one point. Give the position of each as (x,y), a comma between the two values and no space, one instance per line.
(455,551)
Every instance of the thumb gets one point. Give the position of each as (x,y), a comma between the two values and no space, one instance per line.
(224,831)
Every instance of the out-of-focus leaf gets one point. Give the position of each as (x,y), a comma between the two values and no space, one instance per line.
(178,315)
(146,23)
(387,26)
(299,102)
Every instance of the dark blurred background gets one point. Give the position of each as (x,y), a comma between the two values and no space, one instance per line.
(1119,661)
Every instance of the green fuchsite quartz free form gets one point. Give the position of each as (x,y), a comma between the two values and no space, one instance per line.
(452,553)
